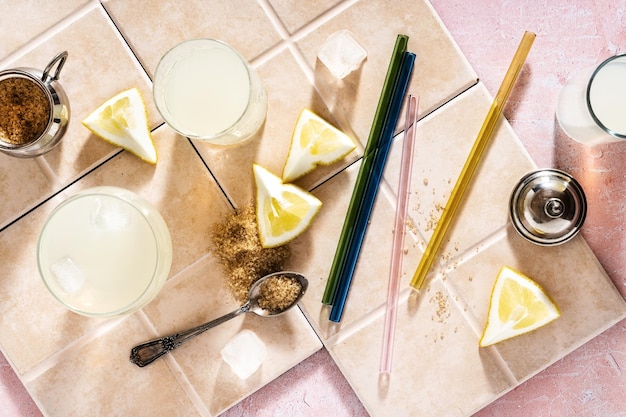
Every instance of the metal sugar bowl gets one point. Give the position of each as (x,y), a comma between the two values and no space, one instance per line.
(548,207)
(34,110)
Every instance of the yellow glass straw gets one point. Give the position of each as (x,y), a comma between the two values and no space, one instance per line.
(472,160)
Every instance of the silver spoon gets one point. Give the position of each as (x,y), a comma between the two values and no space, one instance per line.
(146,353)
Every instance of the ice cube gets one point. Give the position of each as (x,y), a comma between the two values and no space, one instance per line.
(69,277)
(341,53)
(244,353)
(109,214)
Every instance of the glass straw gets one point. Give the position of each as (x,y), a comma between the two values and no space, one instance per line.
(398,236)
(371,188)
(373,143)
(472,161)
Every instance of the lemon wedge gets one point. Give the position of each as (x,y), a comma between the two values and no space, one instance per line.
(314,141)
(123,121)
(518,305)
(283,211)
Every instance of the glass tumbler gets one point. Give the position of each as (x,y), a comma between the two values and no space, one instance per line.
(591,107)
(204,89)
(105,251)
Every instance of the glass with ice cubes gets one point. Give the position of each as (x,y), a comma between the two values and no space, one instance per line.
(104,252)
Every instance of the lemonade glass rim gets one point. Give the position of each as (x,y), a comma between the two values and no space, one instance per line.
(165,66)
(601,125)
(127,197)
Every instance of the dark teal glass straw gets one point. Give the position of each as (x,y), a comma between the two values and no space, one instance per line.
(373,142)
(371,188)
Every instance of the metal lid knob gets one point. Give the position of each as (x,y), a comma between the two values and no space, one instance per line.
(548,207)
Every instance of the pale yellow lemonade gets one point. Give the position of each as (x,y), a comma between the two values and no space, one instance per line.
(205,90)
(592,111)
(607,96)
(206,98)
(104,251)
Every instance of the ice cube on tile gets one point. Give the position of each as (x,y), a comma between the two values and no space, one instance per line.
(245,353)
(341,53)
(109,214)
(68,276)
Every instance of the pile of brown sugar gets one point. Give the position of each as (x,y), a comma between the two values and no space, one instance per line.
(24,111)
(278,293)
(236,242)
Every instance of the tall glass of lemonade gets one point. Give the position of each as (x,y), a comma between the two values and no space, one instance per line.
(204,89)
(591,107)
(104,252)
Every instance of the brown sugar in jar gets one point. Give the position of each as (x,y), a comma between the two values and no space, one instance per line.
(24,111)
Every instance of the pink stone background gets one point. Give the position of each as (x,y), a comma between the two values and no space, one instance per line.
(571,34)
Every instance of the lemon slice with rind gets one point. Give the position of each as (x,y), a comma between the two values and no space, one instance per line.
(518,305)
(122,121)
(283,211)
(314,142)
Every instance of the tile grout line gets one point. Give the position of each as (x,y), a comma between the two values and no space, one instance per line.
(44,166)
(48,33)
(42,163)
(74,346)
(124,42)
(92,334)
(176,370)
(438,273)
(43,200)
(470,319)
(290,42)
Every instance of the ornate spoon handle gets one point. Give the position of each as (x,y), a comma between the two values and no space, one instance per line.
(146,353)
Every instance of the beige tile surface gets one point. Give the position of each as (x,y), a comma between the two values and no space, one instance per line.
(438,332)
(438,368)
(115,45)
(93,44)
(121,390)
(314,253)
(437,165)
(199,295)
(287,97)
(98,66)
(23,20)
(184,208)
(443,142)
(294,16)
(569,273)
(169,23)
(33,325)
(179,186)
(440,72)
(15,199)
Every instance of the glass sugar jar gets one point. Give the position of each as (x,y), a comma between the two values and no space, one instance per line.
(34,109)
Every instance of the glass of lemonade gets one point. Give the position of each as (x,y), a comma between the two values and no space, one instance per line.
(204,89)
(104,252)
(591,105)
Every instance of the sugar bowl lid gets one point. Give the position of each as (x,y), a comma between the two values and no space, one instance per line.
(548,207)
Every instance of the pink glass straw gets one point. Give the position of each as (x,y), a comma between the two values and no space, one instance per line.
(399,233)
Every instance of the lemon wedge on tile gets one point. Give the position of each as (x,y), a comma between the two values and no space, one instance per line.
(518,305)
(314,141)
(123,121)
(283,211)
